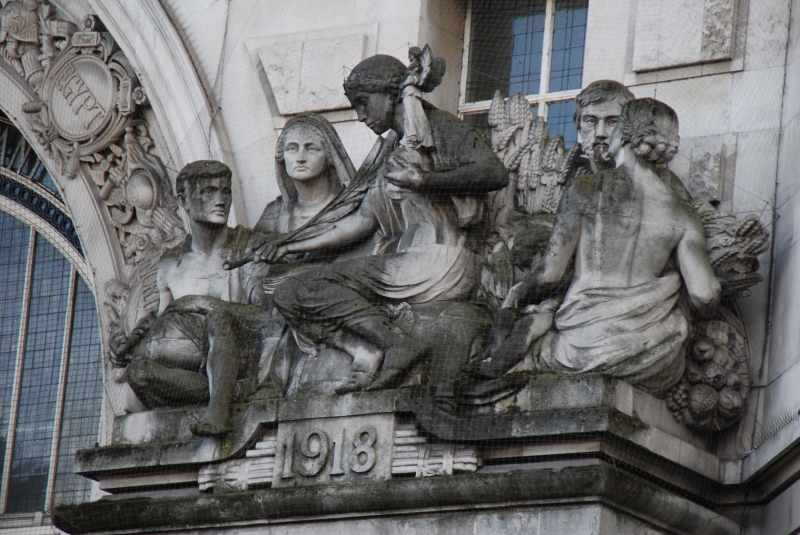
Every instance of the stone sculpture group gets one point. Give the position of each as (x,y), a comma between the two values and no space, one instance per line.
(451,262)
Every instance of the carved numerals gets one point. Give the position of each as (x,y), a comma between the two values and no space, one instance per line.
(309,456)
(334,450)
(363,457)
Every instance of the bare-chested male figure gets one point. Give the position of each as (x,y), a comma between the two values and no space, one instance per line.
(635,242)
(204,343)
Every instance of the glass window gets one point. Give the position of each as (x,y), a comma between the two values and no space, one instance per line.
(50,395)
(559,117)
(535,47)
(30,464)
(18,156)
(83,399)
(506,52)
(13,264)
(569,38)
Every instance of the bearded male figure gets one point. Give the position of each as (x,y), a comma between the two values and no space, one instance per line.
(205,342)
(426,203)
(635,242)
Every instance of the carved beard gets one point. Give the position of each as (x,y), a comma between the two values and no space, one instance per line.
(597,150)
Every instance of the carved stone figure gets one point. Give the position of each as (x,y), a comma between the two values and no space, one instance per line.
(312,167)
(205,342)
(620,314)
(423,197)
(30,34)
(712,393)
(539,168)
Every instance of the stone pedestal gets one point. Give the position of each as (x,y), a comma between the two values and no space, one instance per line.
(564,455)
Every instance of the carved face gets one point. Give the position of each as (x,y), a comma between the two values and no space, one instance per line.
(376,110)
(304,153)
(598,122)
(208,201)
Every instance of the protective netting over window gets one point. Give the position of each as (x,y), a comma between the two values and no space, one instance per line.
(486,265)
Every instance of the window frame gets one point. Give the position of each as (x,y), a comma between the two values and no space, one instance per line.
(541,100)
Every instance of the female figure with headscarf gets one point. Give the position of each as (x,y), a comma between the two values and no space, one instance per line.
(311,168)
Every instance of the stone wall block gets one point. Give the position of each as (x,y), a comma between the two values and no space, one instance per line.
(756,99)
(703,104)
(682,32)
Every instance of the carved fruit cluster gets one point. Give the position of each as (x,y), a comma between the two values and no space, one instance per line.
(711,394)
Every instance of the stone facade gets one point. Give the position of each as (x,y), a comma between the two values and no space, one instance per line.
(328,442)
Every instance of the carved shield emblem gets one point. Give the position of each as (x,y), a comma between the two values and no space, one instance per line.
(80,94)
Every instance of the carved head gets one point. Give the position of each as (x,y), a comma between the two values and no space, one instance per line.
(373,88)
(204,191)
(651,129)
(307,148)
(303,152)
(597,110)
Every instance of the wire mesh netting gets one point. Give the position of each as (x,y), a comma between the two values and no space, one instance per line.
(513,280)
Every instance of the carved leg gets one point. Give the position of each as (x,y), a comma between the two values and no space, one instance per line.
(400,350)
(159,386)
(513,349)
(223,369)
(367,360)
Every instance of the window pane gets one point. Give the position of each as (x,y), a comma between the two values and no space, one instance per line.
(40,375)
(13,260)
(19,156)
(506,47)
(569,39)
(559,116)
(83,398)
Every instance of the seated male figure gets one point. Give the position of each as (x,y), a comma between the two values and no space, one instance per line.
(205,341)
(635,242)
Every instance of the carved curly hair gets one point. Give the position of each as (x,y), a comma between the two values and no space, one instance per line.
(651,127)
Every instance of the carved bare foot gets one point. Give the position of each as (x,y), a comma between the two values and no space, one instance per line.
(211,425)
(357,381)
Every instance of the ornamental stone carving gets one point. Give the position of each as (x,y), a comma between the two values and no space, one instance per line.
(83,118)
(87,91)
(449,303)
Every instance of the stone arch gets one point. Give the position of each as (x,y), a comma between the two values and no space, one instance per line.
(189,123)
(89,214)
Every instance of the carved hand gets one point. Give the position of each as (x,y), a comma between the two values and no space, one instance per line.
(270,253)
(255,250)
(408,176)
(119,353)
(198,304)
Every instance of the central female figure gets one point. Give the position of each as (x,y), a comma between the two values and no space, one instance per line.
(311,167)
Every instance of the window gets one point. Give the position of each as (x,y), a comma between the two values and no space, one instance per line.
(50,349)
(50,371)
(19,156)
(530,46)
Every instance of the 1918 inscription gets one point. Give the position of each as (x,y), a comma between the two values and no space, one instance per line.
(331,450)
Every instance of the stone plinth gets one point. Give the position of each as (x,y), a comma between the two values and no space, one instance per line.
(587,455)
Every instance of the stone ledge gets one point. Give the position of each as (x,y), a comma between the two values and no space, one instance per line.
(562,486)
(549,409)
